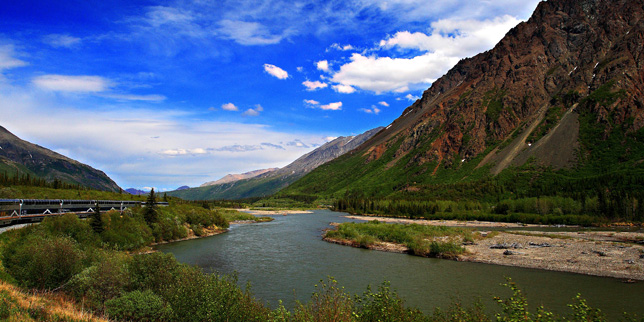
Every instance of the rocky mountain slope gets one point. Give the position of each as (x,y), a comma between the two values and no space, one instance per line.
(270,182)
(563,90)
(19,156)
(236,177)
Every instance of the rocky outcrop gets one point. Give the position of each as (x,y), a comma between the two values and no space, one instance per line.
(570,51)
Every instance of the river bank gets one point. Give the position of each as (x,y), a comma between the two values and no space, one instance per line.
(608,254)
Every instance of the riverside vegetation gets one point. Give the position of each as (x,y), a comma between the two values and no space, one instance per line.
(64,260)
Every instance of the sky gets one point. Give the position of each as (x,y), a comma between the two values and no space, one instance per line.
(170,93)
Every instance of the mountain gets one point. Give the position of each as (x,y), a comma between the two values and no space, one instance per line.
(183,188)
(136,192)
(270,182)
(236,177)
(561,94)
(19,156)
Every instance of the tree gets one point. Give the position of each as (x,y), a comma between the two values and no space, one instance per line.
(150,213)
(96,222)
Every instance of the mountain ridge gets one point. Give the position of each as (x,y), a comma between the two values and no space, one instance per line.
(269,183)
(572,72)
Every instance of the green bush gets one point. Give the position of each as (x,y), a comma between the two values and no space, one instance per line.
(43,262)
(105,280)
(138,306)
(157,272)
(123,232)
(69,225)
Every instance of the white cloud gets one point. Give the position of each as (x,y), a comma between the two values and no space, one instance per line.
(383,103)
(65,83)
(147,146)
(342,48)
(229,107)
(311,102)
(345,89)
(130,97)
(180,152)
(450,40)
(248,33)
(412,98)
(58,40)
(323,65)
(311,86)
(372,110)
(253,111)
(275,71)
(461,38)
(7,58)
(332,106)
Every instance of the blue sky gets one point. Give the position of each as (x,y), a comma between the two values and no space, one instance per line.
(169,93)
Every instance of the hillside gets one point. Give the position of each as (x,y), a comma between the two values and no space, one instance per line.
(19,156)
(557,101)
(271,182)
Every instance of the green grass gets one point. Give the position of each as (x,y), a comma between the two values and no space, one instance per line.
(422,240)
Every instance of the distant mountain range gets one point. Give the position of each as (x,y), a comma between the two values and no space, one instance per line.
(562,93)
(236,177)
(270,182)
(19,156)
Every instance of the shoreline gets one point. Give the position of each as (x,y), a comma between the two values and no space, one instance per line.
(276,212)
(449,223)
(605,254)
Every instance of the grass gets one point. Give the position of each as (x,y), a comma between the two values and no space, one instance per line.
(234,215)
(421,240)
(18,305)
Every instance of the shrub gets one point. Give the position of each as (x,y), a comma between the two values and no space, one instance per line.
(69,225)
(157,272)
(105,280)
(138,306)
(43,262)
(123,232)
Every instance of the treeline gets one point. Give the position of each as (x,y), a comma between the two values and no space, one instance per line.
(25,179)
(549,199)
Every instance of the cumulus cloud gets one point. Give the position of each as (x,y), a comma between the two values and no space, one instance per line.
(383,103)
(275,71)
(61,40)
(345,89)
(323,65)
(229,107)
(297,143)
(332,106)
(315,85)
(180,152)
(253,111)
(449,41)
(461,38)
(65,83)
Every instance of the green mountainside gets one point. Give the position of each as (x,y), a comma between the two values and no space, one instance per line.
(29,161)
(555,111)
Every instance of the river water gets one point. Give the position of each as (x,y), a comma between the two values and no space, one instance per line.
(285,258)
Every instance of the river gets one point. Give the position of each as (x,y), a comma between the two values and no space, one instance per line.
(285,258)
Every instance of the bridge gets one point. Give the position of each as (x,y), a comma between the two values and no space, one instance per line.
(20,211)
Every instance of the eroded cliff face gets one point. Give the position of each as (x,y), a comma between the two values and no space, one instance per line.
(569,52)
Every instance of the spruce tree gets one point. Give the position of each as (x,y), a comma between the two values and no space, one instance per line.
(150,211)
(96,222)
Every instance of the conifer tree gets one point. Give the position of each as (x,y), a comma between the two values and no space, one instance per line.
(150,211)
(96,222)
